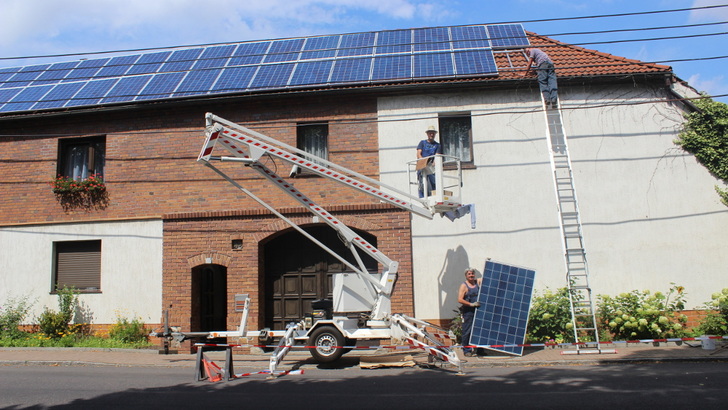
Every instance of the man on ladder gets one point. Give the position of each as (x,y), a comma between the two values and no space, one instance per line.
(546,75)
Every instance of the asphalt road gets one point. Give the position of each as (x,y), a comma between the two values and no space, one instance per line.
(653,385)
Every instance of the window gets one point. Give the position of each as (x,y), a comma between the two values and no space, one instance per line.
(77,264)
(313,138)
(456,136)
(81,157)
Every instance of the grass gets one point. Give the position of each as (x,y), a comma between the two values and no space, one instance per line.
(73,340)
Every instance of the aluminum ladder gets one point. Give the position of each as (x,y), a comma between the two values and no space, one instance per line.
(583,312)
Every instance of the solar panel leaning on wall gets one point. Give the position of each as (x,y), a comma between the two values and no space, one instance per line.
(245,67)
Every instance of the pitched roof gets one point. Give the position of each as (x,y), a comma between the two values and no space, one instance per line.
(479,53)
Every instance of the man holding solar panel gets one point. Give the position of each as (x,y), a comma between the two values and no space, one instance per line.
(468,299)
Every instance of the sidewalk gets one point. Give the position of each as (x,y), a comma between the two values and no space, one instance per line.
(625,353)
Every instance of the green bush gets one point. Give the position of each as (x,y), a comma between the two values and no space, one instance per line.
(643,315)
(550,318)
(12,314)
(716,321)
(129,331)
(57,324)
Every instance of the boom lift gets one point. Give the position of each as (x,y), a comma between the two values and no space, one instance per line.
(330,331)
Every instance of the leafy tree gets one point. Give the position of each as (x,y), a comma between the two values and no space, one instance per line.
(705,135)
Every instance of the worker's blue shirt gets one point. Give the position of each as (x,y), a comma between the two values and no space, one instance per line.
(429,149)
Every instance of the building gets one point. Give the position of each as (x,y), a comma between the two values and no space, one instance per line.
(168,234)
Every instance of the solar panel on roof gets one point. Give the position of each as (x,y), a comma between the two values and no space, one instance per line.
(249,53)
(284,50)
(392,67)
(505,301)
(507,35)
(394,42)
(214,57)
(55,73)
(25,99)
(92,92)
(312,72)
(320,47)
(7,95)
(181,60)
(235,79)
(469,37)
(399,55)
(58,96)
(475,62)
(126,89)
(86,69)
(197,82)
(351,70)
(274,75)
(148,63)
(429,39)
(433,65)
(160,86)
(357,44)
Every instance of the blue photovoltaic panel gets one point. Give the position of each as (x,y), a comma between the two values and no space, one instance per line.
(117,66)
(86,70)
(198,82)
(394,42)
(392,67)
(320,47)
(312,72)
(505,300)
(469,37)
(433,65)
(7,95)
(58,96)
(235,79)
(214,57)
(148,63)
(284,50)
(6,73)
(92,92)
(161,86)
(55,73)
(475,62)
(249,53)
(351,70)
(507,35)
(126,89)
(431,39)
(358,44)
(181,60)
(25,76)
(270,76)
(26,98)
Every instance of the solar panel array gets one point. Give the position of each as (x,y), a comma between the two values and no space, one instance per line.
(505,300)
(357,58)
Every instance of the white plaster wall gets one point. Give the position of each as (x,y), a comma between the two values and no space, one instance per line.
(131,268)
(649,211)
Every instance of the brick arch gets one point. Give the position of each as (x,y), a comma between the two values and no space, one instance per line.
(209,257)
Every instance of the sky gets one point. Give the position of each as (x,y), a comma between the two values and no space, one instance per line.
(32,30)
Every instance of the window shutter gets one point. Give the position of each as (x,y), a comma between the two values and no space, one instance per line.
(78,265)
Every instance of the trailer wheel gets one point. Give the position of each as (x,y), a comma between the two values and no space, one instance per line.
(326,339)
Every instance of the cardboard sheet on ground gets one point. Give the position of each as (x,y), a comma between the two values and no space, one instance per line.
(390,360)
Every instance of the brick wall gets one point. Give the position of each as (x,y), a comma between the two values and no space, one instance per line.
(150,157)
(192,239)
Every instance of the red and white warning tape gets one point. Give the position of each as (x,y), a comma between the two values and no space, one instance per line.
(423,346)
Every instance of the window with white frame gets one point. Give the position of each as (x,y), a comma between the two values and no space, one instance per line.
(456,136)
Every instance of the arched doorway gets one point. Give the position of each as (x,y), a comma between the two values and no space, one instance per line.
(297,272)
(209,298)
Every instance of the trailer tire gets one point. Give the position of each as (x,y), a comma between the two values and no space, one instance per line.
(327,341)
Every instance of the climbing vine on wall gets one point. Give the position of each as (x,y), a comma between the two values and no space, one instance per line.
(705,135)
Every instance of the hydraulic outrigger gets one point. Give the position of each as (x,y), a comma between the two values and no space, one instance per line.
(329,333)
